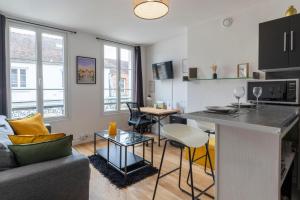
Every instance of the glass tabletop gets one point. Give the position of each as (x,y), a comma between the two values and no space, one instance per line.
(125,138)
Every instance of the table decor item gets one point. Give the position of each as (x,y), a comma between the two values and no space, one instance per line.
(85,70)
(112,128)
(221,109)
(291,11)
(257,91)
(214,68)
(238,93)
(243,70)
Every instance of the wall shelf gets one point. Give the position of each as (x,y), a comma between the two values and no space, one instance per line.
(211,79)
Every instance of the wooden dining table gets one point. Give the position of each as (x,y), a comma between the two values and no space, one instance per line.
(159,114)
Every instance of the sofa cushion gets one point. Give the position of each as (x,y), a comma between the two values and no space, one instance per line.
(7,160)
(33,153)
(27,139)
(33,125)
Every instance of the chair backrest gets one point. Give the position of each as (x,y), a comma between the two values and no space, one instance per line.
(134,109)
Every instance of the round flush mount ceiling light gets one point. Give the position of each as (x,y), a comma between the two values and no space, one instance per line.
(150,9)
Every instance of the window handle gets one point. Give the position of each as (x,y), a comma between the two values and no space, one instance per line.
(39,81)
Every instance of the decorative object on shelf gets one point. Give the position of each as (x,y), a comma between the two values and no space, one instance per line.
(255,75)
(227,22)
(214,68)
(146,9)
(193,73)
(291,11)
(85,70)
(185,69)
(243,70)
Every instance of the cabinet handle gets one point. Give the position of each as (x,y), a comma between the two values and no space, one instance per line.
(292,40)
(284,42)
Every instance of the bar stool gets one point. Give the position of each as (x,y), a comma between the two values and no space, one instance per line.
(208,128)
(187,137)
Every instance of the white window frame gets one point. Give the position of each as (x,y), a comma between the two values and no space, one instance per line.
(39,69)
(119,47)
(19,76)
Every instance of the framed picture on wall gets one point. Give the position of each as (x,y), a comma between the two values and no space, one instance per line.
(85,70)
(243,70)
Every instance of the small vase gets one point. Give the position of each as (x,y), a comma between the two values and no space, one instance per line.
(291,11)
(215,76)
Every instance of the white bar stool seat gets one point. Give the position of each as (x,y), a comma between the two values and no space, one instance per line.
(187,135)
(190,138)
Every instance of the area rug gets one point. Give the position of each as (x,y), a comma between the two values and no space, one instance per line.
(115,177)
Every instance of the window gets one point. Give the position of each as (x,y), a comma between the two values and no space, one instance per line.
(37,64)
(18,78)
(118,77)
(14,78)
(22,78)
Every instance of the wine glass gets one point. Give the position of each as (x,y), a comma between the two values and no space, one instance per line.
(257,91)
(238,93)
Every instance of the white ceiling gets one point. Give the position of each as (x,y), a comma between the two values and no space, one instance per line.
(115,19)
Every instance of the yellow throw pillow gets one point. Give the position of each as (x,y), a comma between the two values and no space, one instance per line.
(33,125)
(27,139)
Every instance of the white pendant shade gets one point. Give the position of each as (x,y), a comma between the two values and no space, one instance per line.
(151,9)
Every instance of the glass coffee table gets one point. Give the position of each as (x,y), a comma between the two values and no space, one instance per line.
(117,154)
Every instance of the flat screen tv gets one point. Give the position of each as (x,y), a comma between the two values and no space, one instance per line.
(163,70)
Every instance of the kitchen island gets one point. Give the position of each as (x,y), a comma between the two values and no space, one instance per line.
(249,151)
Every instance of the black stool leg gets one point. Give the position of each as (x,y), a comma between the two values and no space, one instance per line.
(159,171)
(211,167)
(189,173)
(191,170)
(193,157)
(180,166)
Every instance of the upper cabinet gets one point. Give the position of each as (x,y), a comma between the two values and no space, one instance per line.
(279,44)
(295,41)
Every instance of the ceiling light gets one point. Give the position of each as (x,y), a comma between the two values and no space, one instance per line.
(150,9)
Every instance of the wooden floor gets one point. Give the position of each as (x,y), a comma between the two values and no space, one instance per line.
(101,189)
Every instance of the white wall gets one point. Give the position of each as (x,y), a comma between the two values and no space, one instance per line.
(210,43)
(174,49)
(85,102)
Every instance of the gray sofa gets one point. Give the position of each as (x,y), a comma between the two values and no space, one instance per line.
(65,178)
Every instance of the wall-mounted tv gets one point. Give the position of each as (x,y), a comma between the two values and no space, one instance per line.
(163,70)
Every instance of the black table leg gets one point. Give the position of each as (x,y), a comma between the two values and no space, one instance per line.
(133,149)
(159,131)
(120,157)
(143,151)
(107,151)
(152,151)
(125,161)
(94,143)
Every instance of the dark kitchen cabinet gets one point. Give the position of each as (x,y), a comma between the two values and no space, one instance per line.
(295,41)
(279,44)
